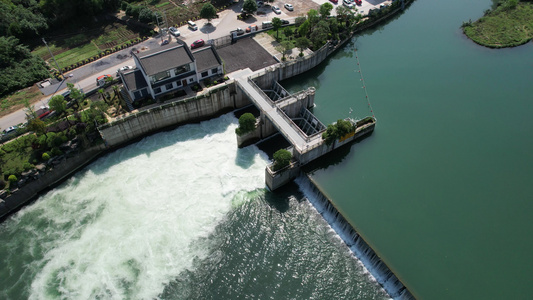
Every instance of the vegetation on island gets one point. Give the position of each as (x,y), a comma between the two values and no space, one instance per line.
(282,158)
(337,130)
(246,124)
(510,24)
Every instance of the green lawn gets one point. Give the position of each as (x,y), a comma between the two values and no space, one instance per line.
(503,27)
(16,101)
(84,45)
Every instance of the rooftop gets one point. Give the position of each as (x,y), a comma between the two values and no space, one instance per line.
(134,80)
(165,58)
(206,58)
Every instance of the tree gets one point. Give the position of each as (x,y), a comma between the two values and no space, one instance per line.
(288,31)
(249,6)
(319,35)
(304,28)
(299,20)
(345,14)
(246,124)
(30,111)
(325,9)
(312,17)
(208,12)
(282,158)
(276,24)
(75,94)
(58,104)
(37,125)
(284,48)
(146,15)
(19,67)
(302,43)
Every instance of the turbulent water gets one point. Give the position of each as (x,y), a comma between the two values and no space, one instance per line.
(181,214)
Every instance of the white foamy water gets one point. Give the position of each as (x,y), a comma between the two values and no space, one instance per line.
(127,225)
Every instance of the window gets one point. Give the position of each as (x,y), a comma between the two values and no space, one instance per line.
(169,86)
(204,74)
(182,69)
(214,71)
(178,83)
(160,76)
(191,79)
(157,90)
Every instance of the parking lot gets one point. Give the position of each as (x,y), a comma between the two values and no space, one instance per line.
(245,53)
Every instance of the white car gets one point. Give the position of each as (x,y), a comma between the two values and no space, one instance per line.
(276,10)
(289,7)
(348,3)
(174,31)
(125,68)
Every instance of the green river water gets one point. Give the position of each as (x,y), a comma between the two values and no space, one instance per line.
(442,189)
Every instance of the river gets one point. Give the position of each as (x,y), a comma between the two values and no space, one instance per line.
(440,189)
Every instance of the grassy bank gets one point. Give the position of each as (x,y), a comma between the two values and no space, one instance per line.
(509,25)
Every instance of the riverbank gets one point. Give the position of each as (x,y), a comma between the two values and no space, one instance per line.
(509,25)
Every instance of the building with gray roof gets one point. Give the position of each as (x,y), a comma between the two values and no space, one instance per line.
(168,69)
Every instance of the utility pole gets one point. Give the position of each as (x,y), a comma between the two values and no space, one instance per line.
(57,65)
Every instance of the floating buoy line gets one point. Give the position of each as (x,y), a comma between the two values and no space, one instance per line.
(363,84)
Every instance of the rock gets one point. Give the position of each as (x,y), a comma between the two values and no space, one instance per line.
(40,167)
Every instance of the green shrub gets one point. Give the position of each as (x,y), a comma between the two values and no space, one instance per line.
(45,156)
(12,179)
(27,166)
(246,124)
(282,158)
(56,151)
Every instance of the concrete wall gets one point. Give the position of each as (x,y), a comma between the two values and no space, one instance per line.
(210,104)
(275,180)
(51,178)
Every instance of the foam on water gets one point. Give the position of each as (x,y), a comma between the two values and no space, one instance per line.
(127,225)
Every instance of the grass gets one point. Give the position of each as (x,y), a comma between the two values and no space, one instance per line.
(282,37)
(162,4)
(80,46)
(15,101)
(503,27)
(16,155)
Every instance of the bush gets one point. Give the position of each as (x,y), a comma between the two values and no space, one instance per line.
(12,179)
(2,184)
(56,151)
(282,158)
(246,124)
(27,166)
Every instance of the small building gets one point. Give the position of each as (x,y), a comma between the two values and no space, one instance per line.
(168,69)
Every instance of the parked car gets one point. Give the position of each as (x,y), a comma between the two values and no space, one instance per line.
(174,31)
(276,10)
(100,81)
(289,7)
(125,68)
(284,22)
(197,44)
(334,1)
(358,2)
(10,129)
(239,31)
(259,3)
(347,3)
(165,42)
(43,112)
(253,26)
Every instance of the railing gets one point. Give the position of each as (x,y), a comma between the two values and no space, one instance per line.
(260,91)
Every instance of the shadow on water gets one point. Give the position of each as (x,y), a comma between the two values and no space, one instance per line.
(333,158)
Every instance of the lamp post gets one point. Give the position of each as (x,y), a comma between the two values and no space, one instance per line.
(57,65)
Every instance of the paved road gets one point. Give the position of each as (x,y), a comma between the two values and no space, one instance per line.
(85,76)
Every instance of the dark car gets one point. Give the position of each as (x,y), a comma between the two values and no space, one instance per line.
(358,2)
(284,22)
(197,44)
(334,1)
